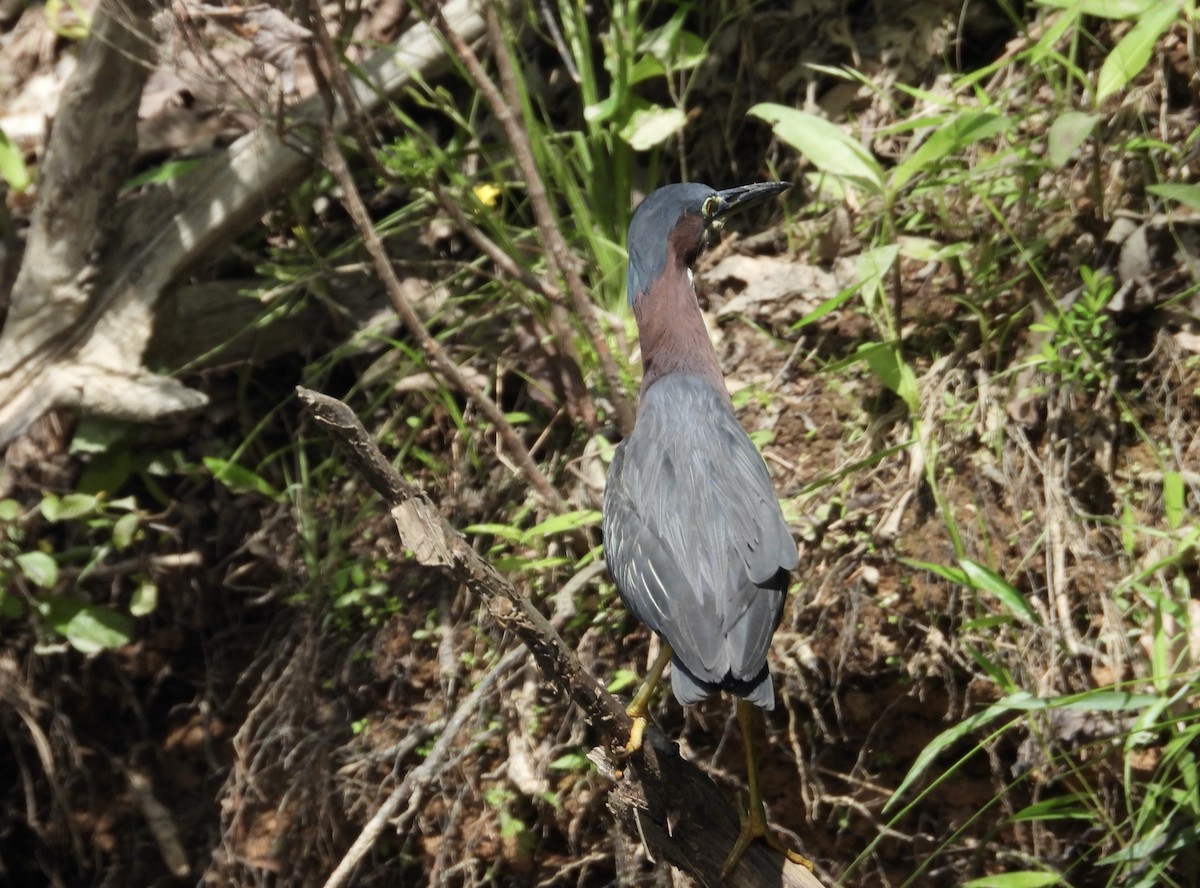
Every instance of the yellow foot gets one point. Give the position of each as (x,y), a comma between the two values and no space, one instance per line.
(636,733)
(754,826)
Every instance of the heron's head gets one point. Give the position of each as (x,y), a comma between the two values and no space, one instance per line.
(679,221)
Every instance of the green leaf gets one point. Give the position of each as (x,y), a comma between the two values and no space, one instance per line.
(10,510)
(89,628)
(1022,879)
(953,574)
(145,599)
(566,522)
(1105,9)
(503,531)
(572,761)
(1068,807)
(96,434)
(830,148)
(1188,195)
(12,165)
(650,127)
(165,172)
(11,605)
(1067,133)
(831,304)
(123,530)
(985,580)
(238,478)
(872,267)
(1174,499)
(950,137)
(886,363)
(39,568)
(1133,52)
(69,507)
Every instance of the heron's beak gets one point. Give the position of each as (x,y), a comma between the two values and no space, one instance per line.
(743,196)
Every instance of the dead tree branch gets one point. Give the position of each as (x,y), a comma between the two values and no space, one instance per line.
(672,804)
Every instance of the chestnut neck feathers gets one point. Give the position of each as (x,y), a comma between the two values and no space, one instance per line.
(670,327)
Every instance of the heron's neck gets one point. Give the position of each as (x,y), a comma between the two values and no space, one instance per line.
(672,332)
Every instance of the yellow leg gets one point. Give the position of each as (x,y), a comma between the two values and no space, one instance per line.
(754,819)
(641,700)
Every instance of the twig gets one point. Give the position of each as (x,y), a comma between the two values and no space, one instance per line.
(559,259)
(417,779)
(439,361)
(682,814)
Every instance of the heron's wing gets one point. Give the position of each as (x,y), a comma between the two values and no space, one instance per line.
(645,570)
(692,484)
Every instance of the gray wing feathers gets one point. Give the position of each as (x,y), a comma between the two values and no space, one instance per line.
(695,537)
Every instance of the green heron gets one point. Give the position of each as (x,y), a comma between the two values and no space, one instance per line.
(694,536)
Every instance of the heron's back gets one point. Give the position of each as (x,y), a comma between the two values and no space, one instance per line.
(695,539)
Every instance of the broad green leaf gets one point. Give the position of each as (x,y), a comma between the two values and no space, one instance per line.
(89,628)
(623,679)
(985,580)
(69,507)
(572,761)
(1132,53)
(646,68)
(503,531)
(1188,195)
(1105,701)
(39,568)
(650,127)
(1022,879)
(1066,134)
(950,137)
(830,148)
(953,574)
(886,363)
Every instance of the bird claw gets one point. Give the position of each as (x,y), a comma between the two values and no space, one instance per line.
(754,826)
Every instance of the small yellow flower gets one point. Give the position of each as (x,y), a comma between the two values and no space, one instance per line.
(487,194)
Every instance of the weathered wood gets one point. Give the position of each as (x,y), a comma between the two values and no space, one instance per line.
(80,316)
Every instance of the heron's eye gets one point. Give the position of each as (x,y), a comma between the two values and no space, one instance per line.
(711,205)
